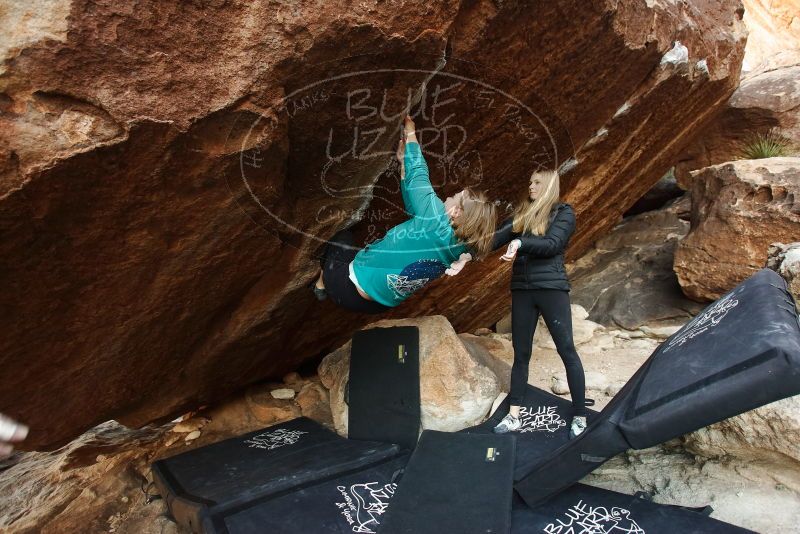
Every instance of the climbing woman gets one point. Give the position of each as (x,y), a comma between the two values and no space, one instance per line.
(386,272)
(537,234)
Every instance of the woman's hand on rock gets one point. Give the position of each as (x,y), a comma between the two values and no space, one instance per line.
(408,125)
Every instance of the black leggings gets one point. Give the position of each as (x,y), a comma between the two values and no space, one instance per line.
(335,263)
(553,304)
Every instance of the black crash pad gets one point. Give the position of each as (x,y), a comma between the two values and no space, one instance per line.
(585,509)
(545,426)
(739,353)
(383,389)
(267,462)
(454,482)
(352,503)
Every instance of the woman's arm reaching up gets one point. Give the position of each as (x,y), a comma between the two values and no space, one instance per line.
(418,194)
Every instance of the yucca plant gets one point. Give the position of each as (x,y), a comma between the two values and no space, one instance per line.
(766,145)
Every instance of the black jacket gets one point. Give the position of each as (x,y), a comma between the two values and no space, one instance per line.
(540,260)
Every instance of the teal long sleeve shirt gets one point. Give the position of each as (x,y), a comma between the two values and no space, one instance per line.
(416,251)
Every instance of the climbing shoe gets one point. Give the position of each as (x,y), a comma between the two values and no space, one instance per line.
(321,294)
(577,427)
(508,424)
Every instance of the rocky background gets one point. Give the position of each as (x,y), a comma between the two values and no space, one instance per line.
(142,282)
(747,467)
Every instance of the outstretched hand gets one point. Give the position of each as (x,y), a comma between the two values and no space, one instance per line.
(459,264)
(511,251)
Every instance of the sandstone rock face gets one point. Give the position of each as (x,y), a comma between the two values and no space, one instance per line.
(738,210)
(658,196)
(771,431)
(456,391)
(314,403)
(767,99)
(754,495)
(494,352)
(261,405)
(626,280)
(170,169)
(768,96)
(94,483)
(785,260)
(91,485)
(773,27)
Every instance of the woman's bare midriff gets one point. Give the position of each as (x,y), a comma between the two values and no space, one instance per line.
(363,294)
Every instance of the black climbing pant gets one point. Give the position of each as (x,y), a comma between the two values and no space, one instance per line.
(553,304)
(335,263)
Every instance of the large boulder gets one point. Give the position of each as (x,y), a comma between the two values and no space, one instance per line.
(768,97)
(170,170)
(738,210)
(769,432)
(626,279)
(658,196)
(494,352)
(456,389)
(753,495)
(773,27)
(784,259)
(767,102)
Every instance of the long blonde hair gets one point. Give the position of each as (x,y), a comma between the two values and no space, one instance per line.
(476,224)
(533,216)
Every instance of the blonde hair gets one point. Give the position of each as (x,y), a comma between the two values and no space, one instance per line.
(533,216)
(475,225)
